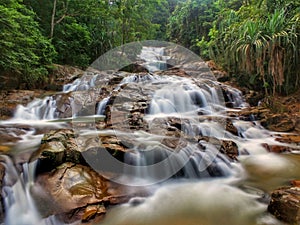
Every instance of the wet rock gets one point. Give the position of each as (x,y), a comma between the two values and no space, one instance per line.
(277,148)
(74,186)
(81,193)
(10,99)
(289,138)
(6,112)
(126,108)
(250,113)
(295,183)
(279,123)
(91,211)
(134,68)
(230,149)
(115,145)
(253,97)
(226,147)
(285,204)
(168,126)
(11,134)
(57,147)
(173,72)
(230,127)
(62,74)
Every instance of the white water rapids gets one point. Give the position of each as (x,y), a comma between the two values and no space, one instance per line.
(227,193)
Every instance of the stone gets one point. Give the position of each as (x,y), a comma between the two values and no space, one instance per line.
(230,149)
(230,127)
(62,74)
(135,67)
(226,147)
(57,147)
(73,186)
(276,148)
(91,211)
(278,122)
(289,138)
(285,204)
(81,193)
(10,99)
(11,134)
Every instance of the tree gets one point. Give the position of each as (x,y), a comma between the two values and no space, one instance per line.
(260,45)
(191,22)
(24,51)
(83,30)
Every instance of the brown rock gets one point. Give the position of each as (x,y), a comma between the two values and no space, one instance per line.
(134,68)
(91,211)
(226,147)
(10,134)
(276,148)
(74,186)
(230,149)
(62,74)
(82,193)
(285,204)
(289,138)
(295,183)
(57,147)
(278,122)
(230,127)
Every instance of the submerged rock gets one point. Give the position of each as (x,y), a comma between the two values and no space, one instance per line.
(285,204)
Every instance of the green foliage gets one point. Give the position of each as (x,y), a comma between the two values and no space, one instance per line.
(260,44)
(190,23)
(71,40)
(23,49)
(81,31)
(256,41)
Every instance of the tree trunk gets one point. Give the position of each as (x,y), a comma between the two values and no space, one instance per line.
(53,19)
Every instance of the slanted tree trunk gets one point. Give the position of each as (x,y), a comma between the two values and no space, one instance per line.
(53,19)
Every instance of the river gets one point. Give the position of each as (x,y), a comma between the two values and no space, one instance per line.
(196,185)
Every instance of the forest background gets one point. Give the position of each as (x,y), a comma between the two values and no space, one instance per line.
(254,41)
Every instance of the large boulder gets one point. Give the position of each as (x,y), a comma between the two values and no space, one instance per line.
(78,190)
(285,204)
(57,147)
(279,122)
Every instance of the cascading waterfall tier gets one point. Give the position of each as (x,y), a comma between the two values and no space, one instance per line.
(179,130)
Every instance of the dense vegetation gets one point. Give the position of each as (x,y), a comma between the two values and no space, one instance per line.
(36,33)
(256,41)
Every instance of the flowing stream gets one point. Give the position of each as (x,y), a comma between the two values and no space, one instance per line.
(208,188)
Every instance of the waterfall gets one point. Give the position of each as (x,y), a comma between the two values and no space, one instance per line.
(195,183)
(101,106)
(154,58)
(20,206)
(158,162)
(38,109)
(180,95)
(177,95)
(17,198)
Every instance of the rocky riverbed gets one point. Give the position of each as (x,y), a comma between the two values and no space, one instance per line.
(76,190)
